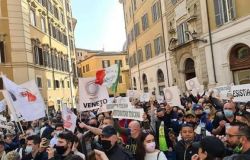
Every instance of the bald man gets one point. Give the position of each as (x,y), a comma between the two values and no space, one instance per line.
(224,118)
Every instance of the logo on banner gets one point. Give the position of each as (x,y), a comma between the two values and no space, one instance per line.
(168,95)
(68,123)
(30,97)
(92,88)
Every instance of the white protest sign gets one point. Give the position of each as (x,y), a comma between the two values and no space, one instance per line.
(193,84)
(172,96)
(222,91)
(145,97)
(160,99)
(130,113)
(241,93)
(2,105)
(91,95)
(69,119)
(134,94)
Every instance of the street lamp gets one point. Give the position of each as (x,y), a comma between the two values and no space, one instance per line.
(194,36)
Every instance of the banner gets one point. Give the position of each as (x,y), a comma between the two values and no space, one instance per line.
(69,119)
(222,91)
(241,93)
(193,84)
(172,96)
(2,105)
(25,99)
(130,113)
(91,95)
(145,97)
(160,99)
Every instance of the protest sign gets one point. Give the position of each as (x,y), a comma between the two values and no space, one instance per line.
(193,84)
(241,93)
(91,95)
(129,113)
(69,119)
(145,97)
(160,99)
(25,99)
(172,96)
(134,93)
(222,91)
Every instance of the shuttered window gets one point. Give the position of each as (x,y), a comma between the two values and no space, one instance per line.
(224,11)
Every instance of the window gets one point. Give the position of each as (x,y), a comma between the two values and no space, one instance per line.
(62,18)
(83,69)
(44,3)
(87,67)
(69,26)
(43,24)
(57,84)
(50,8)
(181,33)
(118,61)
(131,61)
(156,11)
(140,56)
(49,60)
(62,84)
(32,17)
(148,51)
(137,29)
(2,56)
(49,83)
(40,55)
(224,11)
(39,82)
(105,63)
(45,54)
(144,20)
(67,6)
(56,12)
(132,35)
(158,45)
(120,79)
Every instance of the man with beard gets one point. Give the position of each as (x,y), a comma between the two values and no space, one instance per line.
(110,147)
(238,138)
(63,148)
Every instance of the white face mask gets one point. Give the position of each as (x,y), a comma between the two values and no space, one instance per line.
(207,111)
(150,147)
(248,110)
(28,149)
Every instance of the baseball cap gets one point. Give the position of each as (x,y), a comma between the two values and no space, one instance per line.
(108,131)
(197,106)
(189,114)
(208,144)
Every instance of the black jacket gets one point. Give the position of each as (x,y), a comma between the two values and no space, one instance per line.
(118,153)
(183,153)
(68,157)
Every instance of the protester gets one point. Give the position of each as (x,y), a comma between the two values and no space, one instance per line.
(147,148)
(58,129)
(2,151)
(12,155)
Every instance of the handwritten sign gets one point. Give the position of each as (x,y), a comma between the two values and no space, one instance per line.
(241,93)
(136,114)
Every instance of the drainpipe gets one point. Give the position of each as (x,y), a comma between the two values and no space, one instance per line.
(211,42)
(165,54)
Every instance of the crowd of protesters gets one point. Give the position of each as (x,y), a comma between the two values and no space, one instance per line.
(203,128)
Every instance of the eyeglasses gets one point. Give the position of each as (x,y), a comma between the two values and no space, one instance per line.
(234,135)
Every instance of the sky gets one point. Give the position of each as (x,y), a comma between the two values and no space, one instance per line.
(100,24)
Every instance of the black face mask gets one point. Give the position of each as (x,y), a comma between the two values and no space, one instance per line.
(106,145)
(60,149)
(161,118)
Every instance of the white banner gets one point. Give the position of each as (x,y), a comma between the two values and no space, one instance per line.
(25,99)
(130,113)
(193,84)
(69,119)
(160,99)
(241,93)
(172,96)
(2,105)
(222,91)
(91,95)
(145,97)
(134,94)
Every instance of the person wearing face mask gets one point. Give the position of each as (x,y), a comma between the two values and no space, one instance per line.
(222,120)
(63,148)
(111,148)
(49,129)
(32,150)
(147,148)
(58,129)
(238,138)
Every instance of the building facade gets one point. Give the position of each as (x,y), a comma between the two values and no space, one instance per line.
(228,53)
(37,42)
(97,60)
(146,46)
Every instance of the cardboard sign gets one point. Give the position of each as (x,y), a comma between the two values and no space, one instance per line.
(241,93)
(193,84)
(131,113)
(145,97)
(91,95)
(172,96)
(222,91)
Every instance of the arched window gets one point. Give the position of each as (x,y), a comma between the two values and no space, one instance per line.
(145,83)
(161,83)
(189,69)
(134,84)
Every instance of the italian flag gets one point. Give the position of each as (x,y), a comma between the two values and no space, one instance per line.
(109,76)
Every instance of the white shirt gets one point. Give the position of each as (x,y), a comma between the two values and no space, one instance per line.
(53,141)
(153,156)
